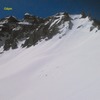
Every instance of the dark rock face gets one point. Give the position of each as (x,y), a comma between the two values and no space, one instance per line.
(96,23)
(31,29)
(33,19)
(12,19)
(83,15)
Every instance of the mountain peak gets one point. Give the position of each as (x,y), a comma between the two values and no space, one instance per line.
(11,19)
(27,14)
(61,13)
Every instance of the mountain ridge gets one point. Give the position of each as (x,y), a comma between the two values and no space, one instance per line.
(32,29)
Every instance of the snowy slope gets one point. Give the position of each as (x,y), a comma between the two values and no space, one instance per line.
(57,69)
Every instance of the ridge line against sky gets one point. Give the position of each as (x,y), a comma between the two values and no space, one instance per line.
(45,8)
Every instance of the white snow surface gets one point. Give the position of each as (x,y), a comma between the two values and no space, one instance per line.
(24,23)
(57,69)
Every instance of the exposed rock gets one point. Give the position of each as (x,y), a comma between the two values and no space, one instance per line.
(83,14)
(96,23)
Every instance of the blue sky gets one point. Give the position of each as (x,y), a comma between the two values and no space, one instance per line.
(44,8)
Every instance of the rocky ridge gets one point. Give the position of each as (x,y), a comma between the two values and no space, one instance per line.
(32,29)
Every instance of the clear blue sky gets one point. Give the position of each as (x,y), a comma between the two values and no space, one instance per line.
(44,8)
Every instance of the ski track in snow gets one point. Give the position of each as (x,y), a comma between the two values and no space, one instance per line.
(57,69)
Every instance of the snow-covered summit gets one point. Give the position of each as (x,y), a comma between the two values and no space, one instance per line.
(27,14)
